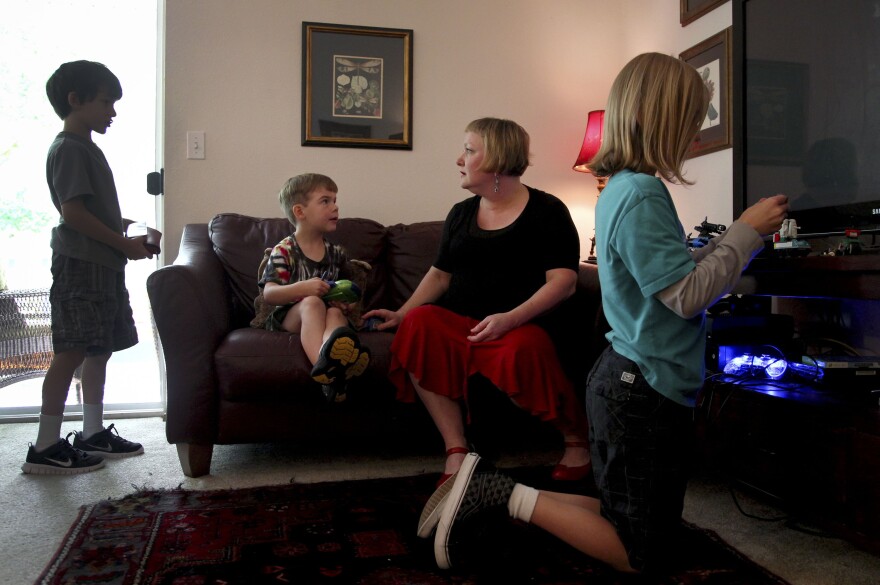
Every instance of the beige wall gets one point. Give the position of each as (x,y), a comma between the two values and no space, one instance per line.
(233,70)
(655,27)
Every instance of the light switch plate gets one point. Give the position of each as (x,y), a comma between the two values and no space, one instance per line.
(195,144)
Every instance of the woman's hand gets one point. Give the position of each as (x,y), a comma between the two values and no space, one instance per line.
(492,327)
(391,319)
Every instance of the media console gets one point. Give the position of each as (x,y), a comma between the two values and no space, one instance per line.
(841,277)
(815,449)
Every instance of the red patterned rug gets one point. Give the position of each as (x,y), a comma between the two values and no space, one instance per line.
(343,532)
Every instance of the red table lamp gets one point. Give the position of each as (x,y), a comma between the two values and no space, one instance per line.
(592,142)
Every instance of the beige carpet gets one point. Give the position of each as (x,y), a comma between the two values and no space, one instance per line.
(37,510)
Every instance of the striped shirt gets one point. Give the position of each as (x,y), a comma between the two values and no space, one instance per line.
(287,263)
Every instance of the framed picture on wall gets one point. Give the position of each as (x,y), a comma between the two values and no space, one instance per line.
(690,10)
(712,60)
(357,86)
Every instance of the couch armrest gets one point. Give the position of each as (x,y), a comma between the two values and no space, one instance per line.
(191,308)
(589,295)
(588,278)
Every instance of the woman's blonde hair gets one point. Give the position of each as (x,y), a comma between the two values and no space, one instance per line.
(506,144)
(654,110)
(297,190)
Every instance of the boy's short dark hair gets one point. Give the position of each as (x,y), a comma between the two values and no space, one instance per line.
(297,189)
(86,78)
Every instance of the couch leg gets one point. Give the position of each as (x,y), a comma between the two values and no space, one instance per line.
(195,459)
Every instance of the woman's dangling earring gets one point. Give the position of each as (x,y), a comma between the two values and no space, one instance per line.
(497,183)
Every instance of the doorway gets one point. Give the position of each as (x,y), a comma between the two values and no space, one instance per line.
(126,37)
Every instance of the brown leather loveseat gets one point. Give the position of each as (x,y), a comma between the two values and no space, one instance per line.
(229,383)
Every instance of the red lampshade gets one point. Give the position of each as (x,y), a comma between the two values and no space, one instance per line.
(592,140)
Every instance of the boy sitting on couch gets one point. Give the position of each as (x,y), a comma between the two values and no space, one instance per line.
(301,270)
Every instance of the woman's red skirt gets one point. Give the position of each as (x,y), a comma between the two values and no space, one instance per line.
(431,344)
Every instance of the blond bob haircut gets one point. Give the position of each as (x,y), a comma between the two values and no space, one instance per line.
(654,110)
(297,190)
(506,144)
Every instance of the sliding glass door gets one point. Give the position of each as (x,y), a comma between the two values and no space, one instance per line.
(35,39)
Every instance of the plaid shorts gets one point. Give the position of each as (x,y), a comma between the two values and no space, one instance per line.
(641,444)
(90,308)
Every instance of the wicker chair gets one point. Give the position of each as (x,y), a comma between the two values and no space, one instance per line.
(25,335)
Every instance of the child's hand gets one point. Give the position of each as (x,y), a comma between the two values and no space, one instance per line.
(767,214)
(134,248)
(316,287)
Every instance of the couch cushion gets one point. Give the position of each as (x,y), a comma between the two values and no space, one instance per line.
(364,239)
(255,365)
(240,241)
(412,250)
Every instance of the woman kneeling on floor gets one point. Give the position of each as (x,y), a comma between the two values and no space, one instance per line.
(508,258)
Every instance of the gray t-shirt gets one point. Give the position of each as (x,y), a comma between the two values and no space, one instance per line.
(76,167)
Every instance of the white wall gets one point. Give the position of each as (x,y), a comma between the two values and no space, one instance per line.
(233,70)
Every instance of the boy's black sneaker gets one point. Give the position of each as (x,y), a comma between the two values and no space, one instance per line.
(340,351)
(60,459)
(359,365)
(335,391)
(107,443)
(473,493)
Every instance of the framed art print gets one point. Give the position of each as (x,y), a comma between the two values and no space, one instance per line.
(357,86)
(712,60)
(690,10)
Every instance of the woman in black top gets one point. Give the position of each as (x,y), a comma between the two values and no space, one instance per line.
(508,257)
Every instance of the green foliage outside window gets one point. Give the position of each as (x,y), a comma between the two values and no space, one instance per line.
(16,215)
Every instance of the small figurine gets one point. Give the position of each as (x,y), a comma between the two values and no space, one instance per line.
(706,232)
(851,245)
(591,259)
(785,240)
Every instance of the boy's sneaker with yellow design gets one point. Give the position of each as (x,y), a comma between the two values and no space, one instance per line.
(341,357)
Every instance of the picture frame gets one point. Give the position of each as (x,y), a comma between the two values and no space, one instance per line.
(712,59)
(357,86)
(691,10)
(778,91)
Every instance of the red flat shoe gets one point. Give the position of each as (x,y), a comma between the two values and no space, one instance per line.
(452,451)
(566,473)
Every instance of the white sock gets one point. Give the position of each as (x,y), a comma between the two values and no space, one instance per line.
(522,502)
(93,419)
(49,431)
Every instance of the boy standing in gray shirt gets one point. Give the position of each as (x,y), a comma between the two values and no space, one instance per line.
(91,314)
